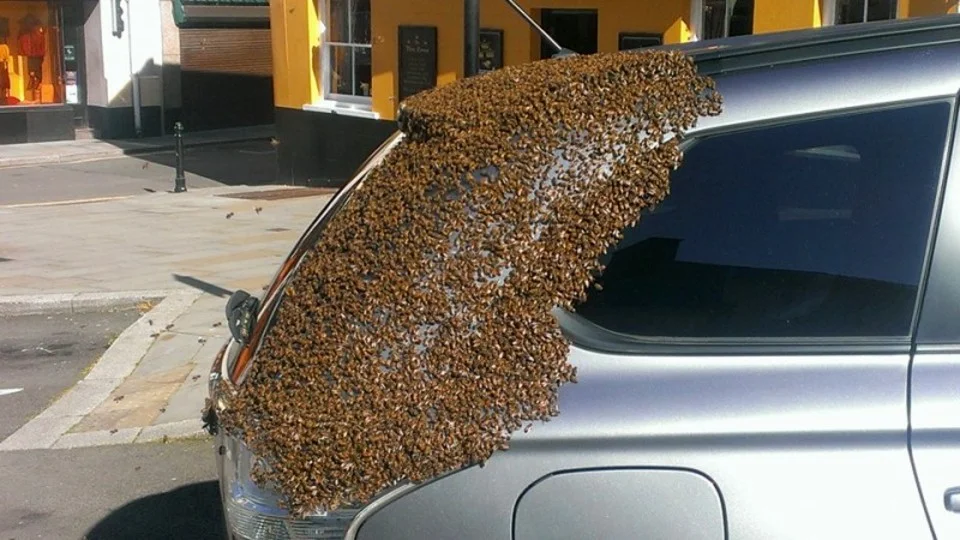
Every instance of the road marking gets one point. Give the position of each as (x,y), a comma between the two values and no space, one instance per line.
(8,391)
(73,201)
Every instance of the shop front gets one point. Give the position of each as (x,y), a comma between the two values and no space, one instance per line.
(41,70)
(342,67)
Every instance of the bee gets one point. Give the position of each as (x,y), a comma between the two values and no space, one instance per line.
(416,336)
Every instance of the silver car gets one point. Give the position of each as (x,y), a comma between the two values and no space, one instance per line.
(775,351)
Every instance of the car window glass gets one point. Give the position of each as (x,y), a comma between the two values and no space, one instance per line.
(812,229)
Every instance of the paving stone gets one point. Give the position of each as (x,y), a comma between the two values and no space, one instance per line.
(97,438)
(169,351)
(187,402)
(136,402)
(185,428)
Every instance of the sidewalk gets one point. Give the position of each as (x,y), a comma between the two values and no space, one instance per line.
(19,155)
(193,249)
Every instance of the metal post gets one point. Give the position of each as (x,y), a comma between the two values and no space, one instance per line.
(471,37)
(180,183)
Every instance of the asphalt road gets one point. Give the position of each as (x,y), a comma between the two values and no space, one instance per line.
(243,163)
(133,491)
(44,355)
(140,491)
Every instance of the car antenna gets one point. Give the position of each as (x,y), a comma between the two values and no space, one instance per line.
(561,51)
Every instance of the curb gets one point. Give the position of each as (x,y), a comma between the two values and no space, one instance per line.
(53,159)
(38,304)
(50,428)
(158,433)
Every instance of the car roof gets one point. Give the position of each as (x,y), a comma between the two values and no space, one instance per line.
(807,72)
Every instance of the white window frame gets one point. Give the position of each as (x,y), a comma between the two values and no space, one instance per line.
(696,19)
(332,102)
(829,14)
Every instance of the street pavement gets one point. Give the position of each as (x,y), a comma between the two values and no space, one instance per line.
(239,163)
(122,453)
(41,356)
(188,252)
(147,491)
(155,490)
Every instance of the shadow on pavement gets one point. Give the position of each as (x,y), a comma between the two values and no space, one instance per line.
(204,286)
(232,163)
(192,511)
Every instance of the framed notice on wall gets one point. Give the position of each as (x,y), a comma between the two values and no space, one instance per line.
(490,49)
(638,40)
(418,59)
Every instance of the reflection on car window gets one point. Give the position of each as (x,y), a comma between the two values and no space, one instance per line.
(812,229)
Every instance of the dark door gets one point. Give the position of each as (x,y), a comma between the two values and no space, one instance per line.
(575,29)
(72,17)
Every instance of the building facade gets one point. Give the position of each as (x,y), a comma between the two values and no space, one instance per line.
(342,67)
(125,68)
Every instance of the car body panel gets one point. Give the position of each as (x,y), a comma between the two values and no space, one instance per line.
(837,84)
(784,439)
(630,503)
(935,370)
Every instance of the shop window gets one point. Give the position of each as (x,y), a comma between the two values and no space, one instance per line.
(347,46)
(725,18)
(858,11)
(31,70)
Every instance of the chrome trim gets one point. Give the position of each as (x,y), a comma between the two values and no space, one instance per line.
(374,507)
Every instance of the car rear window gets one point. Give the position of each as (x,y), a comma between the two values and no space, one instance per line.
(816,228)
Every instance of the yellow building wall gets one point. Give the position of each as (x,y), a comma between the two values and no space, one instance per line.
(778,15)
(922,8)
(295,29)
(668,17)
(294,32)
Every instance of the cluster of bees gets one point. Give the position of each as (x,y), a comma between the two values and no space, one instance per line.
(417,334)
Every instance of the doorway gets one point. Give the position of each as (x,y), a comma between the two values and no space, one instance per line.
(574,29)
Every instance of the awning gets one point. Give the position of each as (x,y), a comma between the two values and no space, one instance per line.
(229,13)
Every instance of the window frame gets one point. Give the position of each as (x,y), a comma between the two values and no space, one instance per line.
(828,16)
(331,101)
(589,336)
(696,20)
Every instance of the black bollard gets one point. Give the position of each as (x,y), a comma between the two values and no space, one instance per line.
(181,181)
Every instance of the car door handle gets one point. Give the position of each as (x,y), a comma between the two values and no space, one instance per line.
(951,499)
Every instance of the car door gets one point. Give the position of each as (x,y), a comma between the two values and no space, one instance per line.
(743,362)
(776,290)
(935,371)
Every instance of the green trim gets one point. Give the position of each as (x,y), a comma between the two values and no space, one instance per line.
(193,13)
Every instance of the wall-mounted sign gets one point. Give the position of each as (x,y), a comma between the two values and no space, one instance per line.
(418,59)
(72,91)
(69,53)
(638,40)
(490,49)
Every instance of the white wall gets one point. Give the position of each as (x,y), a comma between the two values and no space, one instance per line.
(111,87)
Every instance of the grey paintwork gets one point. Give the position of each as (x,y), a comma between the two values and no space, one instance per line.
(796,445)
(563,506)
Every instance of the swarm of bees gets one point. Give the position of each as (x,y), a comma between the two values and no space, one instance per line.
(417,334)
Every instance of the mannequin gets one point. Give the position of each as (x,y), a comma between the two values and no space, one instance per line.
(4,59)
(4,73)
(33,45)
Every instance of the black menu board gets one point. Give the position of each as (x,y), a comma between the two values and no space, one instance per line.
(418,59)
(490,49)
(638,40)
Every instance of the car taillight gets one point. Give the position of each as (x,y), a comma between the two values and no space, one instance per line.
(254,513)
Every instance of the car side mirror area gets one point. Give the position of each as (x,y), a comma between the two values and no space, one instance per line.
(241,311)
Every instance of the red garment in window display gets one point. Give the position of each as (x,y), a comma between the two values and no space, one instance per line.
(4,80)
(33,43)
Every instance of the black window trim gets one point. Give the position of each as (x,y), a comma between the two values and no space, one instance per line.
(936,346)
(589,336)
